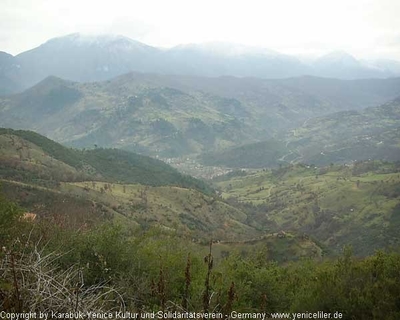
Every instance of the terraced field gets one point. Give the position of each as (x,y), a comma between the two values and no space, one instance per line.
(339,205)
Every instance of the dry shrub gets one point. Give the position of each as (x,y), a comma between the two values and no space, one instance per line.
(32,282)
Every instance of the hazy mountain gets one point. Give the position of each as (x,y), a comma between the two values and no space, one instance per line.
(154,120)
(6,60)
(83,58)
(344,66)
(217,59)
(172,116)
(373,133)
(276,104)
(387,65)
(86,58)
(9,74)
(347,136)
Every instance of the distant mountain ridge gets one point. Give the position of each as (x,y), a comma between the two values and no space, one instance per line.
(174,116)
(372,133)
(84,58)
(342,137)
(10,77)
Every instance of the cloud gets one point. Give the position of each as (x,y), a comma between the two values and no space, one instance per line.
(133,28)
(389,40)
(357,26)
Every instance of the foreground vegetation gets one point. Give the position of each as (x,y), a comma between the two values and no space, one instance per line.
(107,267)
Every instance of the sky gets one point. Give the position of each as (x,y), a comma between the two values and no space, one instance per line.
(364,28)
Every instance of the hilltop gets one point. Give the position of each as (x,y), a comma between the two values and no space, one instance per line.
(159,121)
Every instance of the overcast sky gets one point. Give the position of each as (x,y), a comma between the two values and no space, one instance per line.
(364,28)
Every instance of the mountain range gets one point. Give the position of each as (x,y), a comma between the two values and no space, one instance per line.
(341,137)
(173,116)
(85,58)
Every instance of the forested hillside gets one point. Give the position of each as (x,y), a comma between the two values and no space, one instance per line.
(28,155)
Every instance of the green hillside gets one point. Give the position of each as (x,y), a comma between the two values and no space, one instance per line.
(372,133)
(46,177)
(255,155)
(174,116)
(342,137)
(354,205)
(28,156)
(141,118)
(143,229)
(87,187)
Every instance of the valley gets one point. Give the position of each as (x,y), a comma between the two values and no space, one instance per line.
(56,184)
(144,228)
(199,159)
(336,205)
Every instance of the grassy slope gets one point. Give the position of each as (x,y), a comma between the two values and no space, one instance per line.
(154,120)
(186,214)
(172,202)
(185,211)
(372,133)
(337,205)
(44,186)
(42,158)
